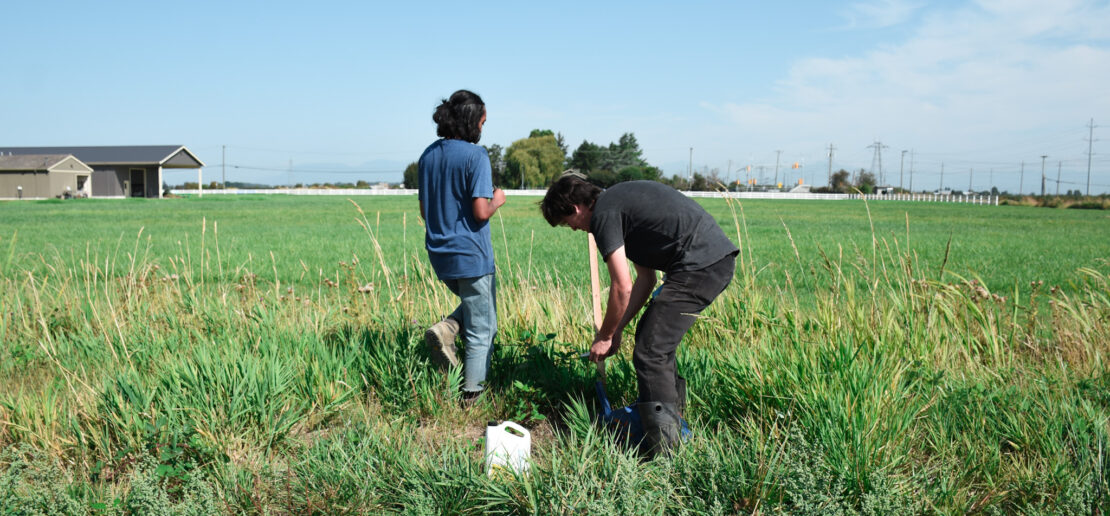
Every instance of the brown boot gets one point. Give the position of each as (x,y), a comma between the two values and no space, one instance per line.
(440,339)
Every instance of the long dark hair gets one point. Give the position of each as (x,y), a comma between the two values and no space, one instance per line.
(457,117)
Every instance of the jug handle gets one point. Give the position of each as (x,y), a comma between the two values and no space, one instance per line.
(523,431)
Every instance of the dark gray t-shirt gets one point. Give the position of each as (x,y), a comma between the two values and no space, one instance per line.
(658,226)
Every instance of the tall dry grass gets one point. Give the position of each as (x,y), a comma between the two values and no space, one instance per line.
(142,383)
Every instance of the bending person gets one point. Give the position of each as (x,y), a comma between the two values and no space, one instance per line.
(658,229)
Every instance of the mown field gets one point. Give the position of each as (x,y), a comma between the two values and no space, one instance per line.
(264,355)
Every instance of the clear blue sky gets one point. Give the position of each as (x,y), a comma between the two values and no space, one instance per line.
(350,86)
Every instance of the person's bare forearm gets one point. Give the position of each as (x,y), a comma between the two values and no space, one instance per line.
(485,208)
(616,309)
(641,291)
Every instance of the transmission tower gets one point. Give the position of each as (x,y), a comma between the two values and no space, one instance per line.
(878,146)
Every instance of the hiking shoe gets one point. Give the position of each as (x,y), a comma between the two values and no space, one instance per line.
(441,342)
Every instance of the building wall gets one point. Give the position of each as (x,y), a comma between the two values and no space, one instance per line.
(40,185)
(59,181)
(107,182)
(36,185)
(116,182)
(153,183)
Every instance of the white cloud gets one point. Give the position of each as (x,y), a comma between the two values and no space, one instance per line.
(963,79)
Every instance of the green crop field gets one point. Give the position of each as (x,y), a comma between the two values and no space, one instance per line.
(264,355)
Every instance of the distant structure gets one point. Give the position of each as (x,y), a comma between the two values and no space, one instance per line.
(112,171)
(40,176)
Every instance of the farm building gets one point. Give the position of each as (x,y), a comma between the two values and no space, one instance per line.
(40,176)
(124,171)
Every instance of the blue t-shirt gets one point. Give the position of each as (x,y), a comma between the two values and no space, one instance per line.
(452,173)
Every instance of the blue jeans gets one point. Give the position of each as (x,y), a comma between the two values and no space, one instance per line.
(477,317)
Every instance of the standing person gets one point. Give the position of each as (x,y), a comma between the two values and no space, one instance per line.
(658,229)
(457,198)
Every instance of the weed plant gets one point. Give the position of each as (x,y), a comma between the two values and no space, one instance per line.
(891,359)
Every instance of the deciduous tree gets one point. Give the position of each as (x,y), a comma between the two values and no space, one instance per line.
(534,161)
(410,178)
(497,164)
(840,181)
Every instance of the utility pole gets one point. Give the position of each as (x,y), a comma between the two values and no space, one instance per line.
(1059,165)
(901,168)
(1090,141)
(942,175)
(690,167)
(970,177)
(778,154)
(728,174)
(911,170)
(1043,156)
(223,166)
(1021,182)
(831,148)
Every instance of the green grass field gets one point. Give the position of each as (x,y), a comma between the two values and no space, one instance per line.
(304,237)
(264,355)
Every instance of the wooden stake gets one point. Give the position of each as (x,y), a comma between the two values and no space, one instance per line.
(595,290)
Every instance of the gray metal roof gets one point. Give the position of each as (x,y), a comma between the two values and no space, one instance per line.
(122,155)
(30,162)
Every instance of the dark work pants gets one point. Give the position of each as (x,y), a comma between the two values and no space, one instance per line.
(665,321)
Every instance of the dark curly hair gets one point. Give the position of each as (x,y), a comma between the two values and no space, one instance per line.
(457,117)
(566,192)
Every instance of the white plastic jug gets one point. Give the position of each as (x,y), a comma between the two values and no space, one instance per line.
(508,447)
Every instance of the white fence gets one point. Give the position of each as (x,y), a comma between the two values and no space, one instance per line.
(965,199)
(991,200)
(770,195)
(297,191)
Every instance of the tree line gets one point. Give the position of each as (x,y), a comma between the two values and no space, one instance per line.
(534,162)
